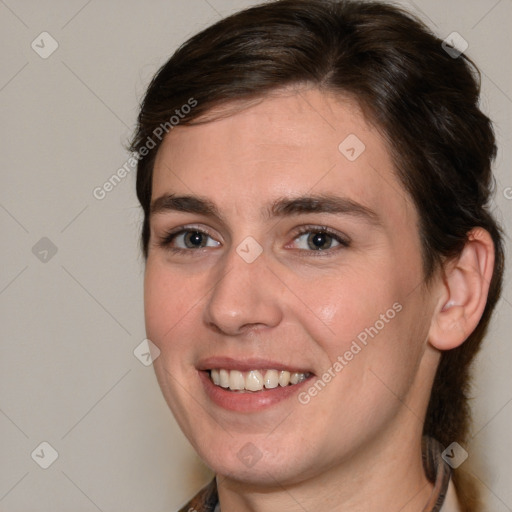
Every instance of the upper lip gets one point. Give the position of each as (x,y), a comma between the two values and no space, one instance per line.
(248,364)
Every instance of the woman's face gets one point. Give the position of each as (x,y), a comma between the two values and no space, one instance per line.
(284,289)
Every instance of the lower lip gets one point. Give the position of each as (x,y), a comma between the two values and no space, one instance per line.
(249,401)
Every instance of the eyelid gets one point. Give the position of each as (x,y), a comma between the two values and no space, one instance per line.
(343,240)
(167,238)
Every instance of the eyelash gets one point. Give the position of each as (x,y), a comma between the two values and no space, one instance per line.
(343,241)
(166,240)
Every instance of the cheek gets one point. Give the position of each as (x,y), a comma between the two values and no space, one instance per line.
(343,305)
(370,356)
(371,321)
(169,301)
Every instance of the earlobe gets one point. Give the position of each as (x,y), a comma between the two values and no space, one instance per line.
(465,283)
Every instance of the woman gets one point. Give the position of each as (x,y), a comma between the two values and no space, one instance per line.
(321,265)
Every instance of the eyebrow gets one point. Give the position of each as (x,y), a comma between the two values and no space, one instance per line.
(323,204)
(281,207)
(187,204)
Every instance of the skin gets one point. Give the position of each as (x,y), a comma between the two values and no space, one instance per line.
(356,444)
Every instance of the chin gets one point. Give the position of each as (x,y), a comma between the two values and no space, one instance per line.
(266,462)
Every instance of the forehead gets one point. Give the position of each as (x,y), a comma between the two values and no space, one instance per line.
(290,143)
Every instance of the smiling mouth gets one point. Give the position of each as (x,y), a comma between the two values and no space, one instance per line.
(255,380)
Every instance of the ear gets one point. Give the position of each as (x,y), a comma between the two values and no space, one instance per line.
(464,292)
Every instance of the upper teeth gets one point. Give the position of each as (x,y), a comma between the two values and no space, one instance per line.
(255,380)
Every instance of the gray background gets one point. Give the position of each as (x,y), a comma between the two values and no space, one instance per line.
(71,320)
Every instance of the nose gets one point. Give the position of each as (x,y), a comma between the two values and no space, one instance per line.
(245,297)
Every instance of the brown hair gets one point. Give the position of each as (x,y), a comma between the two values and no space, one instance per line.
(424,101)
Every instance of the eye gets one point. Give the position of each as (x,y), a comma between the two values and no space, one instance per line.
(186,239)
(319,239)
